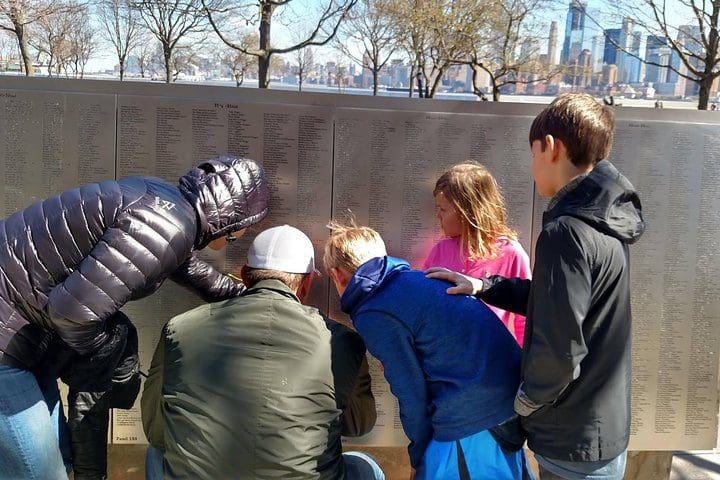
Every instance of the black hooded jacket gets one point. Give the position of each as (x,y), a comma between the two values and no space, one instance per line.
(576,361)
(71,261)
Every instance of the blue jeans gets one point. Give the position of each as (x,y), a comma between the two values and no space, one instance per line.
(552,469)
(153,464)
(34,441)
(358,466)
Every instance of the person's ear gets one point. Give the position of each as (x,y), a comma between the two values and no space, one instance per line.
(340,278)
(244,275)
(305,286)
(557,148)
(550,142)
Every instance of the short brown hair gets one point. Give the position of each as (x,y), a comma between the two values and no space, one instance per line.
(583,125)
(475,195)
(349,246)
(255,275)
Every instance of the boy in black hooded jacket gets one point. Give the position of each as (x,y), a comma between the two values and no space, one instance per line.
(574,401)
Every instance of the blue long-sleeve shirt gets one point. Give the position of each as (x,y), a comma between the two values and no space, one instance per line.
(449,360)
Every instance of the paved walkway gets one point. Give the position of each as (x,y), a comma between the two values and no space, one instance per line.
(698,465)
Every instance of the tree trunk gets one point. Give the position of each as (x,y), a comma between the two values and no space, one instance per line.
(22,44)
(300,80)
(167,54)
(704,94)
(122,68)
(375,81)
(266,12)
(410,80)
(263,72)
(496,90)
(418,78)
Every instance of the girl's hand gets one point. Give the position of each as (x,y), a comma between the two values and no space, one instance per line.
(412,473)
(464,285)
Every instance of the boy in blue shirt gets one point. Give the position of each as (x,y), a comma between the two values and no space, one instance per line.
(449,360)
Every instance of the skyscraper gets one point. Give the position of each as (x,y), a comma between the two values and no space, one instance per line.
(552,43)
(656,51)
(574,31)
(624,44)
(635,67)
(612,39)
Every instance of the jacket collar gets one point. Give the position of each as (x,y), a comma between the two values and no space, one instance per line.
(274,286)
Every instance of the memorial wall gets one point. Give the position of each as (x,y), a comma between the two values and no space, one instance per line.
(326,155)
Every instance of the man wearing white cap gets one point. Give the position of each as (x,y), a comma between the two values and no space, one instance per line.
(260,386)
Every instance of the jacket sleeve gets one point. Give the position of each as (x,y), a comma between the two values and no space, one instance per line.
(204,280)
(391,342)
(561,299)
(124,261)
(510,294)
(352,380)
(359,417)
(151,402)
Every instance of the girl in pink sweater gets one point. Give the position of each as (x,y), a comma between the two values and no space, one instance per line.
(478,241)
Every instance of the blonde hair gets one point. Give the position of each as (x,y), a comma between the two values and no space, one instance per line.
(474,193)
(349,246)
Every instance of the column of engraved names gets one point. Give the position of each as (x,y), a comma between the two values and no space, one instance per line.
(383,170)
(134,152)
(17,117)
(169,132)
(53,146)
(277,146)
(677,288)
(350,182)
(206,125)
(349,185)
(639,149)
(239,136)
(453,143)
(702,380)
(418,170)
(91,165)
(313,172)
(509,163)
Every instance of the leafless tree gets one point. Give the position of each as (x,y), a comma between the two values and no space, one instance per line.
(435,34)
(240,64)
(8,50)
(83,43)
(224,16)
(184,60)
(51,39)
(504,44)
(145,54)
(303,62)
(18,16)
(370,26)
(696,45)
(120,28)
(66,39)
(170,21)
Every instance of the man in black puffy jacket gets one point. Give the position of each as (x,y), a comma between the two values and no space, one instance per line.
(70,262)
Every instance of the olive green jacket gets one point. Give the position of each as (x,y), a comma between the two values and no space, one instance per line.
(247,388)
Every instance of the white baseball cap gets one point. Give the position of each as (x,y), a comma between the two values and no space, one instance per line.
(284,248)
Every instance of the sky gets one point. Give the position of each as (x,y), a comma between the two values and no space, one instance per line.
(299,13)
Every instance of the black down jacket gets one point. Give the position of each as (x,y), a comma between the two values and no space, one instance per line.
(69,262)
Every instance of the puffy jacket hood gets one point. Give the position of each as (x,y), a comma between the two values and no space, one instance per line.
(367,280)
(228,194)
(605,200)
